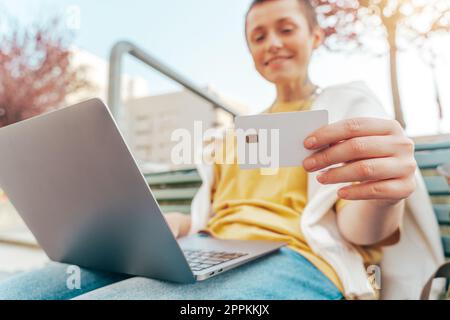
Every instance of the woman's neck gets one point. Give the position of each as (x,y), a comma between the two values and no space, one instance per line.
(294,91)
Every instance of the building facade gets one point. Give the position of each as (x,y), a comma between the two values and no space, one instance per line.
(152,120)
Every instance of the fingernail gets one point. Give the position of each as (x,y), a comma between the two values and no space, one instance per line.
(322,178)
(310,142)
(343,193)
(309,163)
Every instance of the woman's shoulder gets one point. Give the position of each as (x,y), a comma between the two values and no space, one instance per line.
(352,99)
(353,88)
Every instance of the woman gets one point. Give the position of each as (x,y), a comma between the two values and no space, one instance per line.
(377,165)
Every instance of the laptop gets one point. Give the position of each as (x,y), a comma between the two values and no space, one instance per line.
(73,180)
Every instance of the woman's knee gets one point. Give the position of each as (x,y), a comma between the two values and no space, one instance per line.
(140,288)
(136,288)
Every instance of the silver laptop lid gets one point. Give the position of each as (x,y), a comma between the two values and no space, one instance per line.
(73,180)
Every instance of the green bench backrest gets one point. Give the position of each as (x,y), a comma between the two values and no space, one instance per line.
(175,190)
(429,157)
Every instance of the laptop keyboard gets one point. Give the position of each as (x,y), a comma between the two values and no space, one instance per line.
(199,259)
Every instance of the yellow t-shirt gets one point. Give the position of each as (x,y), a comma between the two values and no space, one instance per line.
(251,206)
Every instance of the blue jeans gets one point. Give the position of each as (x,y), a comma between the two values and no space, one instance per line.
(284,274)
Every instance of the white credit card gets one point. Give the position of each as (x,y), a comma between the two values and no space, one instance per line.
(275,140)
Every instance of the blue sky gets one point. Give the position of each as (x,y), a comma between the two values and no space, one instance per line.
(204,40)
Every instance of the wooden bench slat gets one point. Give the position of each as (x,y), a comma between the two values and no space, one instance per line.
(440,199)
(429,172)
(181,170)
(437,185)
(432,159)
(442,212)
(175,194)
(182,179)
(176,208)
(174,179)
(446,245)
(432,146)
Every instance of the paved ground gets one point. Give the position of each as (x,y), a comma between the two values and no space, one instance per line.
(14,257)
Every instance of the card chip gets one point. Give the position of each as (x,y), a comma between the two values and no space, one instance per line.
(252,138)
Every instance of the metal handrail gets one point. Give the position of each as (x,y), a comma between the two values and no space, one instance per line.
(115,77)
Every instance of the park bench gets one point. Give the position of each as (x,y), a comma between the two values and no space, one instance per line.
(175,190)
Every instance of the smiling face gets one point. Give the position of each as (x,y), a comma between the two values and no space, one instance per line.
(280,40)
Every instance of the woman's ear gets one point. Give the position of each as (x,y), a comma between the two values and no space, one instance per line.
(318,37)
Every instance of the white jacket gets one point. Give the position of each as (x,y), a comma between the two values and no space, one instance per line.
(405,267)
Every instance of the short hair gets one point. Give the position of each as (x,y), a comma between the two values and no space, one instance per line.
(308,11)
